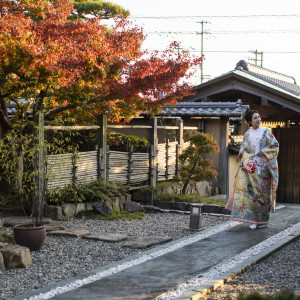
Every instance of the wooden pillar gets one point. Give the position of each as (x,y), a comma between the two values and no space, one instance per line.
(244,127)
(154,142)
(39,169)
(179,123)
(223,156)
(102,146)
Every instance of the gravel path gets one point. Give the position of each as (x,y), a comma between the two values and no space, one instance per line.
(278,272)
(65,257)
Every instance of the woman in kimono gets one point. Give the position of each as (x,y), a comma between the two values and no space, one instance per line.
(253,196)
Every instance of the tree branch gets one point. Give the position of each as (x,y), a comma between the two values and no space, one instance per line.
(58,110)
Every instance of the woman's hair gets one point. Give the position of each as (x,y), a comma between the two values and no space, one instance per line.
(248,116)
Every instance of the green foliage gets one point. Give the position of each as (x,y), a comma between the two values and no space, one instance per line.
(116,215)
(191,198)
(98,190)
(6,237)
(120,142)
(194,164)
(86,140)
(18,149)
(98,8)
(284,295)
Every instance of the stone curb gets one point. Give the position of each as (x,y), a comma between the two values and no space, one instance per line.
(209,286)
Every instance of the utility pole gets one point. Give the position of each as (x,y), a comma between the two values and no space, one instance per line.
(178,50)
(256,60)
(202,34)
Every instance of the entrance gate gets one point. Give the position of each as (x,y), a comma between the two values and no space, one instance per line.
(289,165)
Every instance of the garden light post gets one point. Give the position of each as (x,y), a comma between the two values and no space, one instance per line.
(196,216)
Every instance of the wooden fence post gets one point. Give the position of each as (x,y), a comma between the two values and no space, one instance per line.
(180,140)
(154,169)
(102,146)
(107,163)
(39,169)
(130,152)
(167,159)
(74,165)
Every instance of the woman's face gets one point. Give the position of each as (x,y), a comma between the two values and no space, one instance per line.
(256,120)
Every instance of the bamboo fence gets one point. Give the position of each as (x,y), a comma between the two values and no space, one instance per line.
(130,168)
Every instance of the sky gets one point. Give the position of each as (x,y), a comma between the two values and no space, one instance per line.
(232,30)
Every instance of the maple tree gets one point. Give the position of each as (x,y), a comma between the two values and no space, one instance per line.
(59,64)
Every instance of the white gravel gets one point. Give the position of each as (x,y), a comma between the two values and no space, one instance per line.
(278,272)
(65,257)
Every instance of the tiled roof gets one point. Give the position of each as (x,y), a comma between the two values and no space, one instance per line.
(206,109)
(11,109)
(282,81)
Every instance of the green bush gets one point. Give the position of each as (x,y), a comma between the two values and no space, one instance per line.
(195,166)
(120,142)
(98,190)
(87,140)
(6,237)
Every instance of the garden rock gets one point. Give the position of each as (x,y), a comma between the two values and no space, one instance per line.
(145,242)
(107,237)
(89,205)
(2,266)
(2,245)
(144,196)
(80,207)
(71,232)
(16,256)
(116,203)
(53,212)
(133,207)
(102,208)
(69,210)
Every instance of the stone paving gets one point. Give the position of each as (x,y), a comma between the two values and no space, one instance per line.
(165,268)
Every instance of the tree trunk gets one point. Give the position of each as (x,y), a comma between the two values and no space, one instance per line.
(19,172)
(186,183)
(5,123)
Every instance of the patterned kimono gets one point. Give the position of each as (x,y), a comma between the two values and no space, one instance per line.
(253,196)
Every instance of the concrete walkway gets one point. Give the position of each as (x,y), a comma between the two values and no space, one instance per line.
(210,257)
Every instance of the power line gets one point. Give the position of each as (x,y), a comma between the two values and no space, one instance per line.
(233,16)
(235,51)
(202,35)
(256,59)
(225,32)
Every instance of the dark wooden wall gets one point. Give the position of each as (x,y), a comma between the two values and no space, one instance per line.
(289,165)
